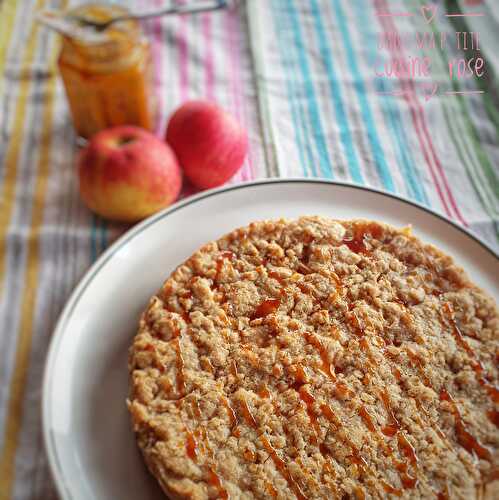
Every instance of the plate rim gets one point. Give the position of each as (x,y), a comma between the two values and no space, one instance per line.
(49,443)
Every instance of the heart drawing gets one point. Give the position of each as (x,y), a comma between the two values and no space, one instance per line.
(429,90)
(428,12)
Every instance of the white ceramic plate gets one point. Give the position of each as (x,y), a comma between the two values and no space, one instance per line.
(86,426)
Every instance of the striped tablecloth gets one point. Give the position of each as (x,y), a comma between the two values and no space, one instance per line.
(301,76)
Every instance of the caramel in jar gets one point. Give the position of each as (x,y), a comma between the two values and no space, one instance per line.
(108,77)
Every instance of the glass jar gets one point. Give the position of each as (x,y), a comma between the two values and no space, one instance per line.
(109,77)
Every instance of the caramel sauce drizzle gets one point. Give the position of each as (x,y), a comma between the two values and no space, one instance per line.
(276,276)
(394,426)
(180,367)
(392,429)
(317,343)
(355,324)
(337,280)
(396,373)
(249,455)
(491,389)
(406,480)
(282,468)
(328,412)
(214,480)
(357,242)
(309,400)
(464,438)
(328,469)
(271,490)
(359,493)
(390,489)
(207,365)
(300,376)
(494,417)
(366,417)
(230,411)
(444,494)
(226,255)
(157,363)
(342,390)
(419,364)
(248,416)
(406,448)
(267,307)
(493,475)
(176,332)
(264,392)
(191,446)
(415,360)
(206,442)
(195,408)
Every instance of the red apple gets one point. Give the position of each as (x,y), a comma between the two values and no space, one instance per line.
(210,145)
(127,173)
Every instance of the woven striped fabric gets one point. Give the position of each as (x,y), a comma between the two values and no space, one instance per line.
(301,77)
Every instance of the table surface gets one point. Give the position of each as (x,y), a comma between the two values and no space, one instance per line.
(301,77)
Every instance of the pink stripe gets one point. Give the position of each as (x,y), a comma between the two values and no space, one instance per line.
(407,93)
(234,54)
(394,14)
(388,23)
(183,51)
(208,56)
(158,70)
(395,92)
(246,124)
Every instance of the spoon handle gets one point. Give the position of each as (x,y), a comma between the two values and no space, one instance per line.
(177,9)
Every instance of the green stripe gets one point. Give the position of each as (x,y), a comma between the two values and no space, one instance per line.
(480,187)
(470,128)
(481,195)
(486,83)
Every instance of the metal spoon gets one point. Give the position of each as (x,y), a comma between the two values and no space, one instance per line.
(65,23)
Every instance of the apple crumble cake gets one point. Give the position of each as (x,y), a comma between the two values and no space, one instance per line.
(318,358)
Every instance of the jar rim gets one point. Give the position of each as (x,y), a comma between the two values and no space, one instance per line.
(113,39)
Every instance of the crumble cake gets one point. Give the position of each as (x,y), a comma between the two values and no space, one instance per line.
(318,358)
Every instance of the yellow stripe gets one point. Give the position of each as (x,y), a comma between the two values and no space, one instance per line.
(8,16)
(7,195)
(14,411)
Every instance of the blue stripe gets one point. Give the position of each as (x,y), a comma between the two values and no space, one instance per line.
(93,240)
(303,147)
(103,235)
(410,172)
(335,90)
(372,134)
(312,110)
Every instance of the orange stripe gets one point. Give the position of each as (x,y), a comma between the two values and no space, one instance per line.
(7,195)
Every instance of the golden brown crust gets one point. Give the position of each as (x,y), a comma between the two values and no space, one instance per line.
(318,359)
